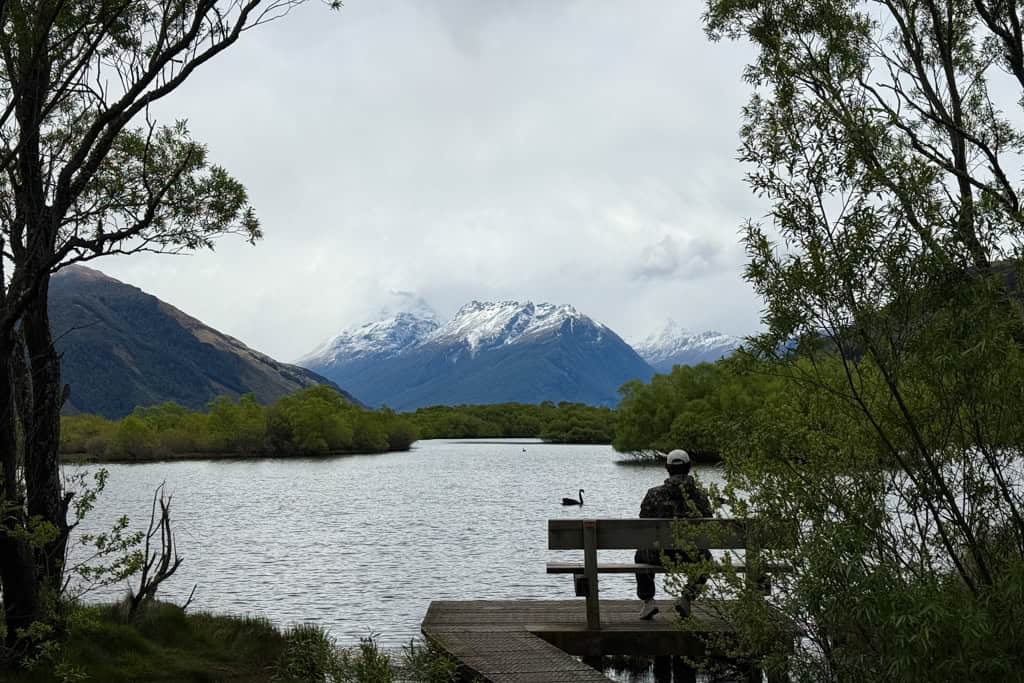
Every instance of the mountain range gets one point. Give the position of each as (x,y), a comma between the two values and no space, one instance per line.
(676,345)
(121,348)
(487,353)
(504,351)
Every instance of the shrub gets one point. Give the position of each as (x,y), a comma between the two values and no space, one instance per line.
(364,664)
(429,664)
(309,654)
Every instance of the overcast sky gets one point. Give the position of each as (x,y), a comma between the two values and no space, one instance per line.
(572,152)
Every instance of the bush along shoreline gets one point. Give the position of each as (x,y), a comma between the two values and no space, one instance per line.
(313,422)
(317,421)
(564,422)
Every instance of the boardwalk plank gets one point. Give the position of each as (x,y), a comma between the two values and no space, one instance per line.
(514,641)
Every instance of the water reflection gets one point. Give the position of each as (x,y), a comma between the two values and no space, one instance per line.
(364,543)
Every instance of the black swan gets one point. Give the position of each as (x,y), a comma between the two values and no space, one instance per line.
(573,501)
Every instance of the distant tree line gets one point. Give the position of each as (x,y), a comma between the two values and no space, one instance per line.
(320,420)
(556,423)
(697,408)
(311,421)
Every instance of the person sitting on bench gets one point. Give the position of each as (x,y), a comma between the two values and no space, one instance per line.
(679,496)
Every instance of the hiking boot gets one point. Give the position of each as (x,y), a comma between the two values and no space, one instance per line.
(648,610)
(683,606)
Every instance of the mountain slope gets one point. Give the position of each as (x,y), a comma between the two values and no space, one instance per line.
(488,353)
(675,345)
(121,348)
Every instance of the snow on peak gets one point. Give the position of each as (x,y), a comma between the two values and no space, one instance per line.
(410,304)
(484,323)
(675,341)
(477,325)
(387,336)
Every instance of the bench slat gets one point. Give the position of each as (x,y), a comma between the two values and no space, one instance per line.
(603,568)
(633,568)
(622,534)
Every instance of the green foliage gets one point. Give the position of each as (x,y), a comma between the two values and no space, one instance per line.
(562,423)
(315,420)
(401,435)
(162,643)
(429,663)
(892,460)
(240,426)
(88,173)
(693,408)
(87,434)
(365,664)
(309,655)
(873,583)
(110,558)
(133,435)
(312,421)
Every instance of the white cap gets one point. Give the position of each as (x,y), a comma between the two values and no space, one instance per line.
(678,457)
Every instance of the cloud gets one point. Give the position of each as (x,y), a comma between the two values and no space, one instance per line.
(407,302)
(456,150)
(672,258)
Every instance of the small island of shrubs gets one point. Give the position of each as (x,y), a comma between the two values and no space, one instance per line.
(563,422)
(317,421)
(313,421)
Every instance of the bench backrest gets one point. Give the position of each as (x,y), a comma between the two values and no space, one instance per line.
(591,535)
(611,534)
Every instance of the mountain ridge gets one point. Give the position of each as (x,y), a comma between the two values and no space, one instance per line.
(489,352)
(677,345)
(121,347)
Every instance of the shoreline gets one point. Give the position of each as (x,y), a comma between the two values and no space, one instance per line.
(697,458)
(87,459)
(82,458)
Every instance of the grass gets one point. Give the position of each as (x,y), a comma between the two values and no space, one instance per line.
(163,643)
(427,662)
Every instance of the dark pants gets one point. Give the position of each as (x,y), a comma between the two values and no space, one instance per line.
(645,580)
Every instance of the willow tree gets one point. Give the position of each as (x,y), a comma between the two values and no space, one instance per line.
(886,137)
(85,172)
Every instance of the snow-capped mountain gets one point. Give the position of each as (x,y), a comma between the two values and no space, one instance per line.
(487,353)
(481,325)
(675,345)
(382,338)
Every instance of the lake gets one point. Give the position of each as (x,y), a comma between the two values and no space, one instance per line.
(362,544)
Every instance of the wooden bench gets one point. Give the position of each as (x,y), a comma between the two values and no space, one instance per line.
(591,535)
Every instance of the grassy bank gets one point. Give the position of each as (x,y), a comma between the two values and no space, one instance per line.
(162,644)
(165,643)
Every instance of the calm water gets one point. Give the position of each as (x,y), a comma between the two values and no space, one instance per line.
(364,543)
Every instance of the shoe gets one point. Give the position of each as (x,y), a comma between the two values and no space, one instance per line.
(648,610)
(683,606)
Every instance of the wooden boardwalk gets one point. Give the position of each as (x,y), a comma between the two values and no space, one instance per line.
(534,641)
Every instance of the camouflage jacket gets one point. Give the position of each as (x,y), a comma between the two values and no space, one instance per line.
(679,496)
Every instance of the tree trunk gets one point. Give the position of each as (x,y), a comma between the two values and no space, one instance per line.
(17,564)
(42,437)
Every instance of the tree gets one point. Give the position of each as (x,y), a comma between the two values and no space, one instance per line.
(86,172)
(892,257)
(316,420)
